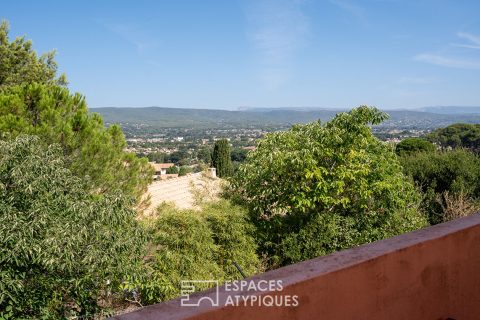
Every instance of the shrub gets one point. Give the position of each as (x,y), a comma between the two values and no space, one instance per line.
(61,248)
(233,234)
(184,170)
(456,172)
(195,245)
(172,170)
(456,205)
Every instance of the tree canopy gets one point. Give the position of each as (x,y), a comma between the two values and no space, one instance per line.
(61,248)
(459,135)
(455,172)
(413,145)
(318,188)
(19,63)
(94,151)
(34,100)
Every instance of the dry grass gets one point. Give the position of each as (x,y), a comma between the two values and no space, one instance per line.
(456,205)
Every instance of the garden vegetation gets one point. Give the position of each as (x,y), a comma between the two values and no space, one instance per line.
(72,243)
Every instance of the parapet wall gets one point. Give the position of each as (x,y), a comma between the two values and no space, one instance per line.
(432,273)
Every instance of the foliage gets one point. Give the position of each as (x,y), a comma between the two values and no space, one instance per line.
(20,64)
(319,188)
(456,172)
(221,158)
(412,145)
(238,155)
(61,248)
(205,155)
(178,157)
(233,234)
(193,245)
(157,157)
(456,205)
(184,170)
(459,135)
(93,151)
(206,189)
(172,170)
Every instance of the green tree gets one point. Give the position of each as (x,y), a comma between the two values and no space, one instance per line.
(318,188)
(158,157)
(239,155)
(20,64)
(61,248)
(413,145)
(205,155)
(456,172)
(221,158)
(459,135)
(94,151)
(177,157)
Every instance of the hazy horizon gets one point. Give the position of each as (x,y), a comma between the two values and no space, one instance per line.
(246,108)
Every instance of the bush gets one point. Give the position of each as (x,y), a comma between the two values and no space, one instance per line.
(319,188)
(172,170)
(61,249)
(184,170)
(456,172)
(456,205)
(196,245)
(233,234)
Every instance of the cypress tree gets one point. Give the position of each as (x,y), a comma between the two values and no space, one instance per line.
(221,158)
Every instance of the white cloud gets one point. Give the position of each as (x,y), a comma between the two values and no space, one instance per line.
(447,62)
(416,80)
(474,41)
(278,30)
(461,63)
(473,38)
(353,9)
(132,34)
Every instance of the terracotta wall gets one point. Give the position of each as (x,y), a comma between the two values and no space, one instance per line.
(432,273)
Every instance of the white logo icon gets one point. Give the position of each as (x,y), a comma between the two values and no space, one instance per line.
(188,287)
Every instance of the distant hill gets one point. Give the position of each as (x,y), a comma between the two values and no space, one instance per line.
(452,110)
(251,118)
(178,117)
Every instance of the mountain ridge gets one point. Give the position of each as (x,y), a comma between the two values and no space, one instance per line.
(279,117)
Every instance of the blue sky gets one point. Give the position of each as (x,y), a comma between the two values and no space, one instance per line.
(263,53)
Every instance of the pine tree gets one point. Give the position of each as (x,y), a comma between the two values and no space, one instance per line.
(35,100)
(20,64)
(221,158)
(94,151)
